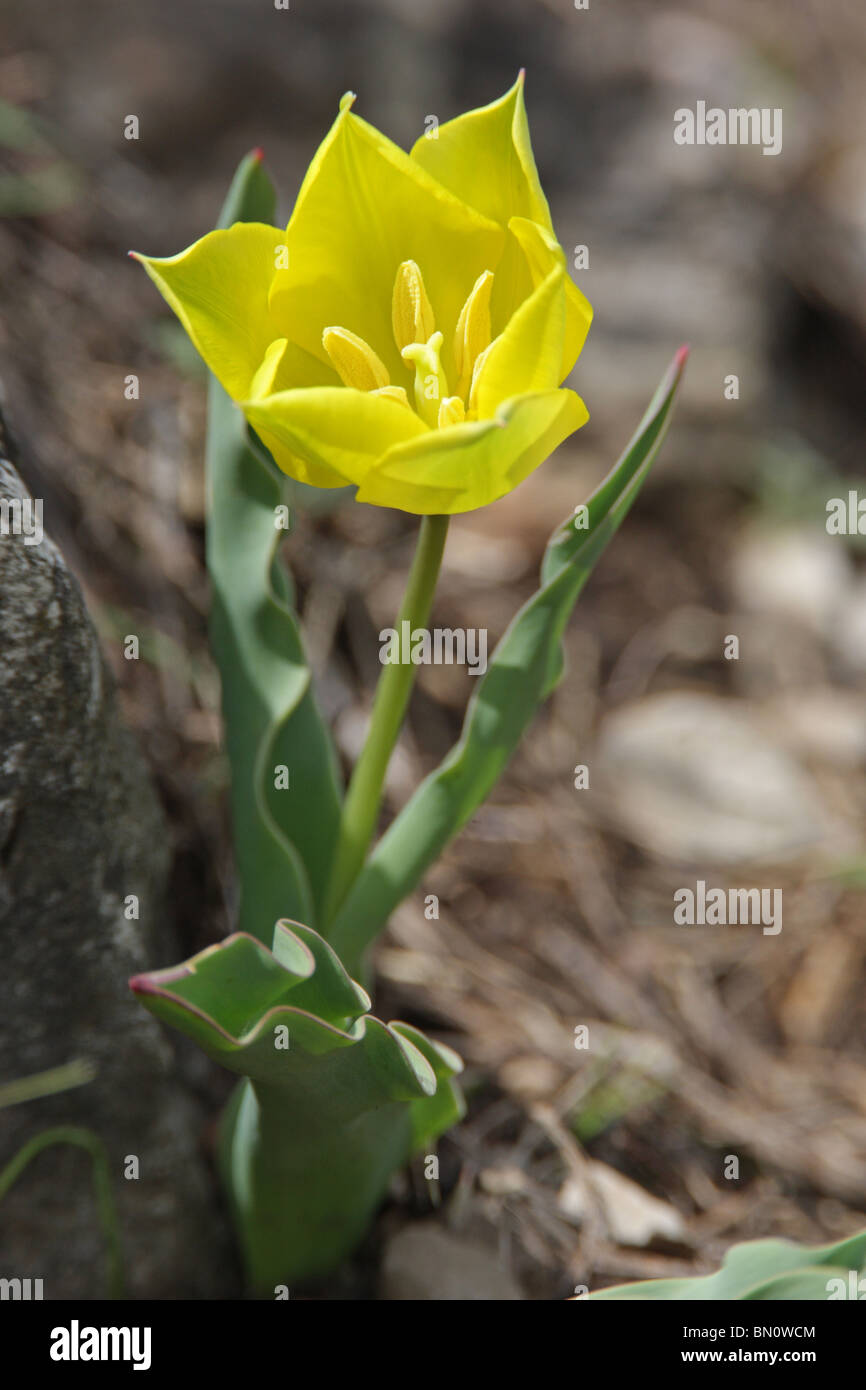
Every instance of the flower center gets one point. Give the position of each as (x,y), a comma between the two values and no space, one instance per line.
(420,346)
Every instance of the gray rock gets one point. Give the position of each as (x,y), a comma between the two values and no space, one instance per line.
(426,1262)
(801,574)
(697,779)
(80,831)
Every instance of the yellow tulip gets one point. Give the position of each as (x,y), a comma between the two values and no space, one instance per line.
(410,331)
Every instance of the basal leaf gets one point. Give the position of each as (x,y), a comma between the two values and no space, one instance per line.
(284,834)
(333,1099)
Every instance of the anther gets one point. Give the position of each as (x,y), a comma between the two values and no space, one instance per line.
(451,412)
(411,313)
(355,361)
(476,377)
(473,330)
(393,393)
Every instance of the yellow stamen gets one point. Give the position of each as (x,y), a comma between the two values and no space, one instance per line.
(393,393)
(476,376)
(473,330)
(430,384)
(451,412)
(411,314)
(355,361)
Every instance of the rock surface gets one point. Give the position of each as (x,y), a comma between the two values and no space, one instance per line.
(697,779)
(81,831)
(426,1263)
(632,1215)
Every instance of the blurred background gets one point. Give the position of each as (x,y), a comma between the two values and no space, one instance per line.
(575,1166)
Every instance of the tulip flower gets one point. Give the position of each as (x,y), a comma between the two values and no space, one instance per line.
(410,332)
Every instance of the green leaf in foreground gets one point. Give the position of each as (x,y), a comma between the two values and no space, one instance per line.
(763,1270)
(333,1103)
(284,835)
(523,670)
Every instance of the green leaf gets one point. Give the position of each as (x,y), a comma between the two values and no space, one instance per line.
(251,196)
(525,667)
(86,1139)
(334,1100)
(759,1270)
(434,1114)
(79,1072)
(284,836)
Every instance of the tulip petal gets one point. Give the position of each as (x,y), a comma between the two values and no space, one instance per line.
(467,466)
(527,356)
(365,208)
(331,436)
(219,288)
(485,157)
(262,383)
(543,252)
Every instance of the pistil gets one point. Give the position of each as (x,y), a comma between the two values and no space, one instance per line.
(430,384)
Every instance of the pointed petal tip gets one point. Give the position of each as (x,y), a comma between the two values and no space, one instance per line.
(257,154)
(681,355)
(347,101)
(140,984)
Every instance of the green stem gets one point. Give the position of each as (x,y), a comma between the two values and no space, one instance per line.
(364,795)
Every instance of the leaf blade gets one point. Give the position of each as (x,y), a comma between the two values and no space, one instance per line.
(284,836)
(756,1270)
(330,1105)
(524,669)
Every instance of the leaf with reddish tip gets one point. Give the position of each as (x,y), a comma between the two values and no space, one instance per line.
(523,670)
(334,1099)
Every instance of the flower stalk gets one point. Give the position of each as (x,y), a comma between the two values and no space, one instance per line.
(364,795)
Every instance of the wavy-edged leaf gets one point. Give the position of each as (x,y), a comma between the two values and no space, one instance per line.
(284,837)
(435,1113)
(333,1102)
(524,668)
